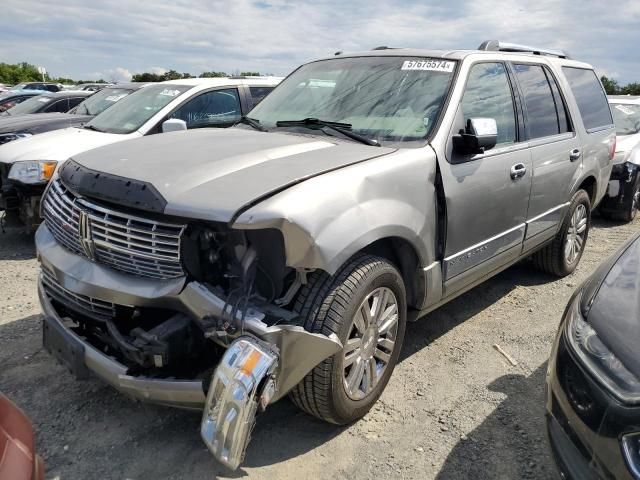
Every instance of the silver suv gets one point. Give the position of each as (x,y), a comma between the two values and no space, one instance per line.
(229,268)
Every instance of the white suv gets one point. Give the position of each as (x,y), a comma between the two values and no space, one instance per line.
(27,165)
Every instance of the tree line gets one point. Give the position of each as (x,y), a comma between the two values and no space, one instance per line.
(612,87)
(12,74)
(174,75)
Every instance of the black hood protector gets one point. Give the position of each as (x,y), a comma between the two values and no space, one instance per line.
(111,188)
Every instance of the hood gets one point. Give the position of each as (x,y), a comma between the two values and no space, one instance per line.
(612,304)
(57,145)
(41,122)
(210,174)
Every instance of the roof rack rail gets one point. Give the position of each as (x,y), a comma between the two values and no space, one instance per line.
(497,46)
(385,48)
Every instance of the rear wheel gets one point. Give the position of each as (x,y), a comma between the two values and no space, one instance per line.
(364,304)
(561,257)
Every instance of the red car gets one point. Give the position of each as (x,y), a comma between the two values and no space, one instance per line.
(18,458)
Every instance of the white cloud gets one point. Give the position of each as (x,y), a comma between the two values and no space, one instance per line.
(158,70)
(277,35)
(118,74)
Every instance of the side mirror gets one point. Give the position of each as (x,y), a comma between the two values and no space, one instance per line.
(480,134)
(173,125)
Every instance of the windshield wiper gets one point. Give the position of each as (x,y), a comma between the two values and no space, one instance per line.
(252,123)
(343,128)
(91,127)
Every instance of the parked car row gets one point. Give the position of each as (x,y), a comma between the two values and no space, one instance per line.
(222,269)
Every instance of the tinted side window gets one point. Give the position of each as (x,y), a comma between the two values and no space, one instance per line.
(488,95)
(73,102)
(590,97)
(564,121)
(216,108)
(258,93)
(542,118)
(61,106)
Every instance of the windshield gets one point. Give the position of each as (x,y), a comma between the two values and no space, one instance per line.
(132,112)
(626,116)
(387,99)
(99,102)
(33,105)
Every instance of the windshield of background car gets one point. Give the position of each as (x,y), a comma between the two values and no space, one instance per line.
(626,117)
(33,105)
(388,99)
(133,111)
(99,102)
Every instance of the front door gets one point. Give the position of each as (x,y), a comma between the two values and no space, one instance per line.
(486,201)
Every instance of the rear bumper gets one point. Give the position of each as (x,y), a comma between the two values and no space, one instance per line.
(175,393)
(621,187)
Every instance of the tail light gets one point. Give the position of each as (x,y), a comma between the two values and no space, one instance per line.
(612,146)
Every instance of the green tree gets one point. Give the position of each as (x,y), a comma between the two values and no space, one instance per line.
(213,74)
(147,77)
(631,89)
(610,85)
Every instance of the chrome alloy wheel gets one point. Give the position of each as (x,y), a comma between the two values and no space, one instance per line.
(575,234)
(368,349)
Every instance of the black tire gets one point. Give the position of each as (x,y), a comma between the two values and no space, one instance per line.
(329,304)
(629,213)
(551,258)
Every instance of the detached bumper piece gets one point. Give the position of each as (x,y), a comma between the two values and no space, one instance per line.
(242,384)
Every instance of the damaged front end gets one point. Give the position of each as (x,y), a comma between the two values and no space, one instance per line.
(212,329)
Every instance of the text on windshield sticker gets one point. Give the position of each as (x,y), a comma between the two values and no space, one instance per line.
(115,98)
(430,65)
(170,93)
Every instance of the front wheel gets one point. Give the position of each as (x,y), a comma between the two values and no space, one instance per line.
(562,255)
(364,304)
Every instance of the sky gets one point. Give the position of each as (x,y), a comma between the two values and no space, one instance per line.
(113,39)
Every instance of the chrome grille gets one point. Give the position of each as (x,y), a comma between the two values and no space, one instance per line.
(124,242)
(92,307)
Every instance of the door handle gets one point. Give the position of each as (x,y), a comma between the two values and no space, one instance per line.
(518,170)
(574,154)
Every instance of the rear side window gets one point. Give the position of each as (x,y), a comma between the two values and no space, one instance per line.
(590,97)
(258,93)
(540,104)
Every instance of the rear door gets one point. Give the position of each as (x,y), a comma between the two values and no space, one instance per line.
(597,132)
(486,203)
(555,150)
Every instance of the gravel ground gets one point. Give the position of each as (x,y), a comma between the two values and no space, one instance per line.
(454,409)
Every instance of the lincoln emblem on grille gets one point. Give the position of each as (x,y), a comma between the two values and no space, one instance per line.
(85,236)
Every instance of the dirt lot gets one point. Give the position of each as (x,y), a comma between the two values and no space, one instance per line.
(454,409)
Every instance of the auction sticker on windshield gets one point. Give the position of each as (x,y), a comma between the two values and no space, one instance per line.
(115,98)
(429,64)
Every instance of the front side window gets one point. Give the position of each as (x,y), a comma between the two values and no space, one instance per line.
(626,118)
(99,102)
(392,100)
(488,95)
(539,102)
(216,108)
(590,97)
(133,111)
